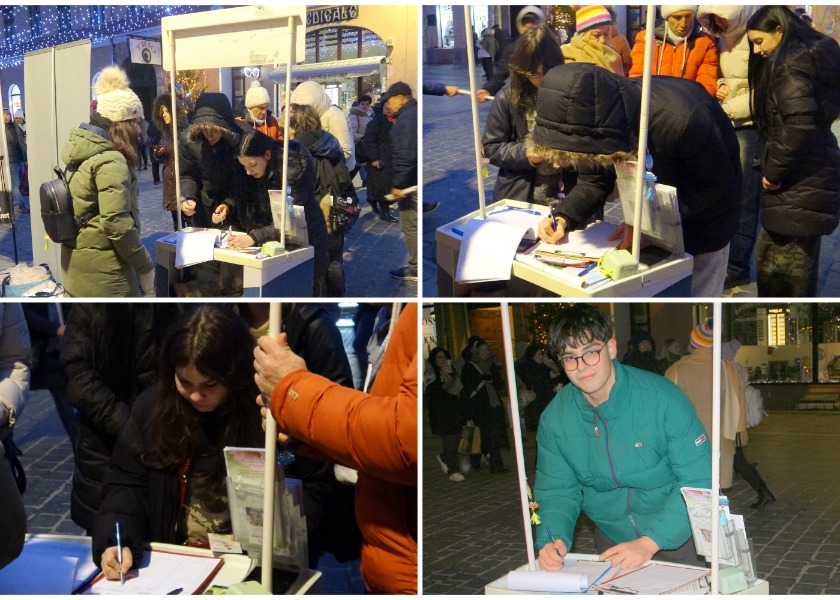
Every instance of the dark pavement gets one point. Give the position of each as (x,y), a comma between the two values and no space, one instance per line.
(449,177)
(473,532)
(372,248)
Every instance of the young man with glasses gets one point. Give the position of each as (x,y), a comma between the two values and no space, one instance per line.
(617,443)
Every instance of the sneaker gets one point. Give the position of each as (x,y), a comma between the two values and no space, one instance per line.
(456,476)
(735,281)
(442,464)
(405,274)
(430,206)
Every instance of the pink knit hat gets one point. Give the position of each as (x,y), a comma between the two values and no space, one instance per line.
(701,336)
(591,16)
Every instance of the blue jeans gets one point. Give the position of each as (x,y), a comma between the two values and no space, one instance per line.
(16,170)
(743,244)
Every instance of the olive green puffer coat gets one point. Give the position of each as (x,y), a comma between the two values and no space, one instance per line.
(107,255)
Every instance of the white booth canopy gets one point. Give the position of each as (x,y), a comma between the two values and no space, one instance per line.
(338,69)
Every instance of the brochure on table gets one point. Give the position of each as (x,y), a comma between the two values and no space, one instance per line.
(245,468)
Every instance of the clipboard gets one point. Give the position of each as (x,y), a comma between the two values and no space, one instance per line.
(161,572)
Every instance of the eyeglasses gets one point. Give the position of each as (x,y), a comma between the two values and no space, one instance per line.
(590,358)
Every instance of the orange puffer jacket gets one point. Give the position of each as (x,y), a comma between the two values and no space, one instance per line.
(697,61)
(376,434)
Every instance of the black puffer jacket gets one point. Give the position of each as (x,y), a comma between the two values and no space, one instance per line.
(503,142)
(251,209)
(691,139)
(102,396)
(801,152)
(207,171)
(404,146)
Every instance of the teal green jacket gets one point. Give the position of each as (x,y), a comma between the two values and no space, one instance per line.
(108,253)
(626,476)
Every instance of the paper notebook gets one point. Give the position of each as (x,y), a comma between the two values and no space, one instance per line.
(488,246)
(159,574)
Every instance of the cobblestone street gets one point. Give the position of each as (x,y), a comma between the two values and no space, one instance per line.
(473,530)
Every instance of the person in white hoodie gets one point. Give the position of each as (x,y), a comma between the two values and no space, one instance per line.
(728,23)
(333,119)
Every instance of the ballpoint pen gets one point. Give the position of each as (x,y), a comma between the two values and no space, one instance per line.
(119,553)
(553,541)
(553,222)
(587,269)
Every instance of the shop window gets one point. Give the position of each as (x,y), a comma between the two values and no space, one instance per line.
(15,102)
(446,26)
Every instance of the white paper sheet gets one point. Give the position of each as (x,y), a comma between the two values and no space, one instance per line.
(488,246)
(193,247)
(161,573)
(653,579)
(546,581)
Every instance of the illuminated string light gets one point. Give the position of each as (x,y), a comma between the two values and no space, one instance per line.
(29,28)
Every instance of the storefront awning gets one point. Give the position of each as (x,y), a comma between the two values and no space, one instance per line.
(338,69)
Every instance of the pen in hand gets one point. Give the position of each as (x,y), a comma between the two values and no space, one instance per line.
(119,553)
(553,541)
(553,226)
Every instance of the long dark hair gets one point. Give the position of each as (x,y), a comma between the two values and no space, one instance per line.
(256,143)
(124,138)
(539,47)
(217,342)
(433,355)
(762,71)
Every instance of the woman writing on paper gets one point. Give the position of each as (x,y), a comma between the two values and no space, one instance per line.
(522,174)
(261,160)
(166,481)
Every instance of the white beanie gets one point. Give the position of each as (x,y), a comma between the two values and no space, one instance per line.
(256,95)
(19,114)
(115,100)
(669,9)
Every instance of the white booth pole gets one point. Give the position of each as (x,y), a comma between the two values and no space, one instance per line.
(270,469)
(479,162)
(173,112)
(286,117)
(716,399)
(507,337)
(641,152)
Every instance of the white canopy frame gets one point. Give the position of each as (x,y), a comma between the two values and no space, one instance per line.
(232,38)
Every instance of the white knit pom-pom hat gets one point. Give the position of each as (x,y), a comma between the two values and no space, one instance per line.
(115,100)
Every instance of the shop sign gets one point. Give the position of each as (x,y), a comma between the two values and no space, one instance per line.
(335,14)
(144,51)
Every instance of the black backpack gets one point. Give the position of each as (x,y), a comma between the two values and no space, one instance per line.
(60,221)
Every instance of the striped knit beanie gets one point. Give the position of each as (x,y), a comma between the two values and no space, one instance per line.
(701,336)
(591,16)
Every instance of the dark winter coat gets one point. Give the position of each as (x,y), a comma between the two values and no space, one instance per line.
(330,170)
(146,501)
(377,145)
(504,144)
(251,209)
(690,138)
(15,143)
(108,254)
(404,147)
(103,399)
(447,412)
(162,138)
(207,171)
(490,419)
(801,152)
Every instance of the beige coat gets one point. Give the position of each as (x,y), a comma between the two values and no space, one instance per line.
(693,374)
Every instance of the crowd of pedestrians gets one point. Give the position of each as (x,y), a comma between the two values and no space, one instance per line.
(764,126)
